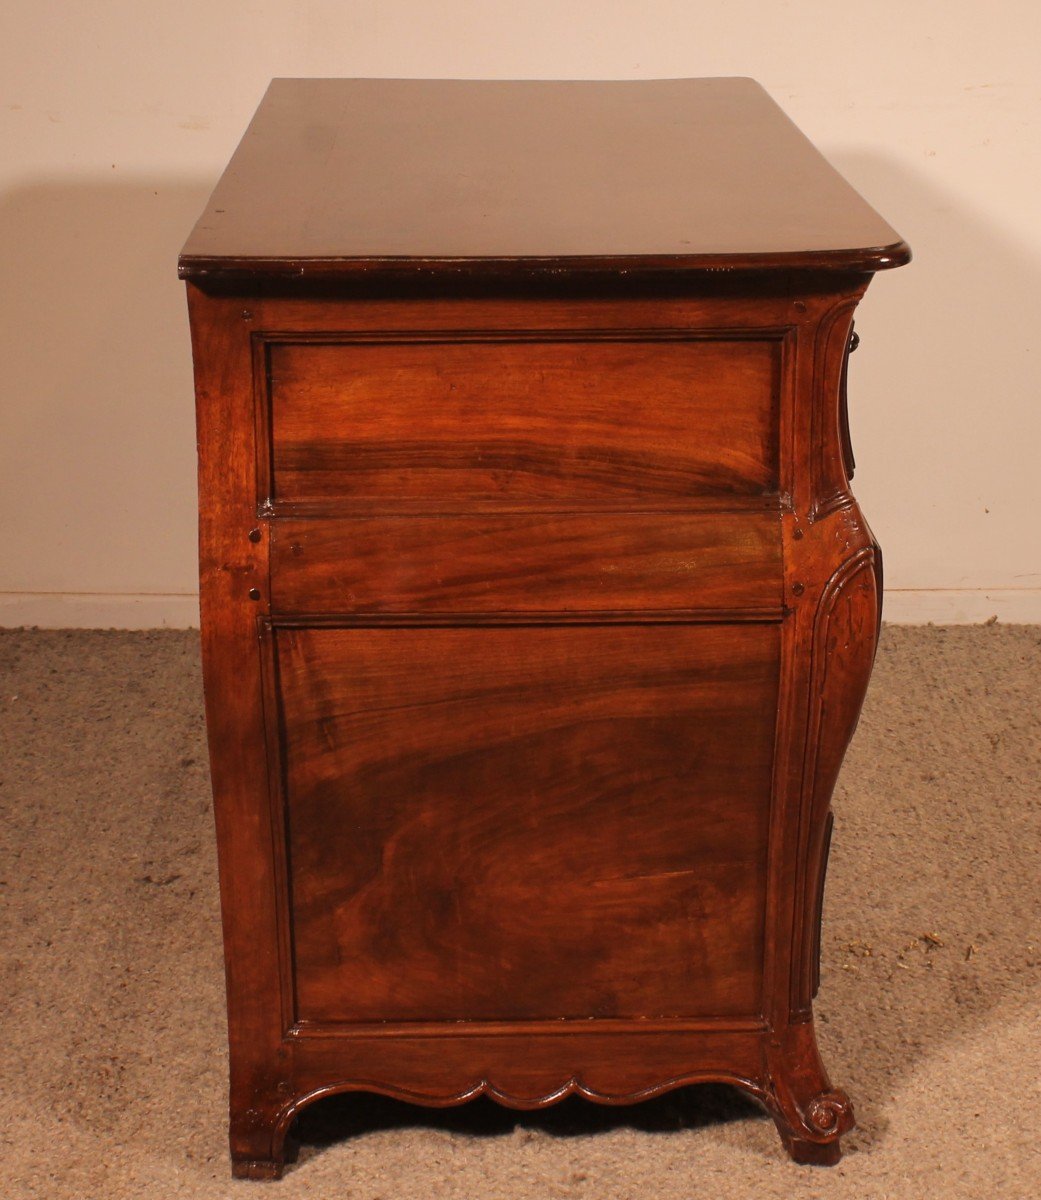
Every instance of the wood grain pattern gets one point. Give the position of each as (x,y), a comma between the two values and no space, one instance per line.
(340,176)
(502,823)
(537,609)
(454,419)
(564,563)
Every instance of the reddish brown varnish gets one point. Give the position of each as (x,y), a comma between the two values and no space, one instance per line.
(537,611)
(470,428)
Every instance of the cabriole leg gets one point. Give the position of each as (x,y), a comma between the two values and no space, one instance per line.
(811,1115)
(260,1148)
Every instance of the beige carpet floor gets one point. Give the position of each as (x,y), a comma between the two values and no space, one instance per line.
(113,1064)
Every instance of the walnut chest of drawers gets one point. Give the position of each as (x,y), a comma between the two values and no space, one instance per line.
(537,612)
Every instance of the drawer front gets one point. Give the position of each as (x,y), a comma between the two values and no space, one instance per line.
(551,563)
(498,823)
(520,419)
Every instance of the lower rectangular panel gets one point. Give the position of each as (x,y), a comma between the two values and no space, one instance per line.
(526,822)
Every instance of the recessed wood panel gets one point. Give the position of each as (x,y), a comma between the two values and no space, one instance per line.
(552,563)
(522,420)
(498,823)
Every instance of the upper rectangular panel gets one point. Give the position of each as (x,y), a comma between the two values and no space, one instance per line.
(521,420)
(339,175)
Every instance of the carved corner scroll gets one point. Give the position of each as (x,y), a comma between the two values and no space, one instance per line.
(830,1112)
(811,1115)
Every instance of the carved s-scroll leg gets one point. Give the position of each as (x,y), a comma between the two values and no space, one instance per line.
(832,591)
(811,1115)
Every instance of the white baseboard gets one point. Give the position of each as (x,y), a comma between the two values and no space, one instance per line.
(968,606)
(98,610)
(104,610)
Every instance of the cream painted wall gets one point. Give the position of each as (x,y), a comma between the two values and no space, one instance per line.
(116,118)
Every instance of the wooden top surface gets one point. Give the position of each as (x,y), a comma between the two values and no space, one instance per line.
(339,175)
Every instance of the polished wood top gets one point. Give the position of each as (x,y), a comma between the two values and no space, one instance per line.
(334,176)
